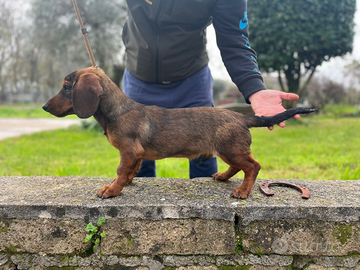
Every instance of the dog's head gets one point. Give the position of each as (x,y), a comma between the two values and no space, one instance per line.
(79,95)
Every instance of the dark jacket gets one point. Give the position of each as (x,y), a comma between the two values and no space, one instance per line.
(165,40)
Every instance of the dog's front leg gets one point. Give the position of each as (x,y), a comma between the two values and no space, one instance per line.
(126,171)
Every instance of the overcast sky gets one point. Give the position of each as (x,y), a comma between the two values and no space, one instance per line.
(333,69)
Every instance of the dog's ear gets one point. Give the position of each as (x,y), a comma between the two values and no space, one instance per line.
(85,95)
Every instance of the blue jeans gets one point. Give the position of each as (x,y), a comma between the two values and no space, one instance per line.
(194,91)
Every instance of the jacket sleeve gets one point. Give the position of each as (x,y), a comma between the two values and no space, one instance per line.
(230,20)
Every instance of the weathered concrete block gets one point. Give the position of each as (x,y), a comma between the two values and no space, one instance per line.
(3,259)
(272,260)
(198,268)
(177,261)
(42,235)
(261,267)
(250,259)
(301,237)
(190,224)
(23,261)
(342,262)
(179,236)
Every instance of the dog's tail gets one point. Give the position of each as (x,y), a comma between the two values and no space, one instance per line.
(267,121)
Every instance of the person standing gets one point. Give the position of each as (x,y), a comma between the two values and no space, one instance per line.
(167,61)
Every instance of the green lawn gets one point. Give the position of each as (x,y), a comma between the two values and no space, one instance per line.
(315,148)
(26,111)
(320,149)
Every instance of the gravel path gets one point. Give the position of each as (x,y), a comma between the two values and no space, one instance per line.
(14,127)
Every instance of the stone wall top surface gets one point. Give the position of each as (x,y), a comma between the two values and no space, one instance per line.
(162,198)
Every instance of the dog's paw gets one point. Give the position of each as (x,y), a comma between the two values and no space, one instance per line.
(106,192)
(219,177)
(102,191)
(240,194)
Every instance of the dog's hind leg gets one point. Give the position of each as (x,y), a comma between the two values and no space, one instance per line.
(233,169)
(241,162)
(251,169)
(226,175)
(125,174)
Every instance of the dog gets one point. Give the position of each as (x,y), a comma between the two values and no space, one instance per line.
(150,132)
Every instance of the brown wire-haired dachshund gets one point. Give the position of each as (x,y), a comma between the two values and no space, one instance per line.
(150,132)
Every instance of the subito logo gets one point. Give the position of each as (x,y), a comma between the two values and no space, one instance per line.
(279,246)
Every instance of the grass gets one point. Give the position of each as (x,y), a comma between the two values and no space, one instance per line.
(25,111)
(320,149)
(63,152)
(315,148)
(340,110)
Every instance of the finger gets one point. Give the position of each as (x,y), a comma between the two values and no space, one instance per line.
(296,116)
(289,96)
(282,124)
(271,128)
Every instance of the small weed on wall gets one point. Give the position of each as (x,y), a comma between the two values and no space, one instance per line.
(94,235)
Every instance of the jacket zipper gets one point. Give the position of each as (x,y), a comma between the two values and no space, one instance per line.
(157,55)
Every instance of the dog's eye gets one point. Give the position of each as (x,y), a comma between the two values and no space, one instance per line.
(67,88)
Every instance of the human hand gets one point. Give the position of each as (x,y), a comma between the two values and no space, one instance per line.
(269,102)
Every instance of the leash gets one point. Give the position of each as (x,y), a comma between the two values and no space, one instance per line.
(84,32)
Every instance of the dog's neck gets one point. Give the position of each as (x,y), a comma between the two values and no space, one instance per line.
(113,104)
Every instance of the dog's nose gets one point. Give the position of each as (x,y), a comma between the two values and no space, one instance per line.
(45,107)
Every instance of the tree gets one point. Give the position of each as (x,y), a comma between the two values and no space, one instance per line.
(41,42)
(5,43)
(12,44)
(57,32)
(219,86)
(353,71)
(325,91)
(294,37)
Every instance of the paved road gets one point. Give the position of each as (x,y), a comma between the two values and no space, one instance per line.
(14,127)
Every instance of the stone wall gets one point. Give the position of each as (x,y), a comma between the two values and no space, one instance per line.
(177,224)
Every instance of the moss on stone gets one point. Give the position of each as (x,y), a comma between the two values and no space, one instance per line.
(238,243)
(129,238)
(343,233)
(259,251)
(11,249)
